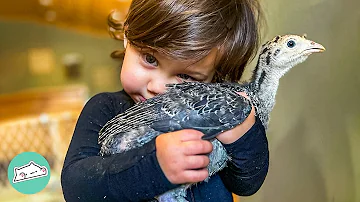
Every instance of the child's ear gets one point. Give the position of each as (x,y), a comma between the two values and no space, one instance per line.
(125,41)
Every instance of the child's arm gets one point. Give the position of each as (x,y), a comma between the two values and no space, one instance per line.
(135,175)
(248,167)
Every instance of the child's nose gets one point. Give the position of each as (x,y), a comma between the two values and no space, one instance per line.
(156,86)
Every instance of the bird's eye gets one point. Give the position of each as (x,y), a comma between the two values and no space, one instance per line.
(291,44)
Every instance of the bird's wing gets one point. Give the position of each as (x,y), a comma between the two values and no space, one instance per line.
(141,114)
(157,109)
(216,109)
(209,108)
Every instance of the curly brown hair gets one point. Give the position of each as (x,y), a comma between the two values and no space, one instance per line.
(185,29)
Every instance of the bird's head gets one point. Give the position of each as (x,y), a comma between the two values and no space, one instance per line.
(284,52)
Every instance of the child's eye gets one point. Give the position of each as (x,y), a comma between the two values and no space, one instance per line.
(186,77)
(150,59)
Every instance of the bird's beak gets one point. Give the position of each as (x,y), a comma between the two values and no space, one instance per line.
(315,48)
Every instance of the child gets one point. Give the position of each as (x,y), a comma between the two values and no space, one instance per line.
(171,41)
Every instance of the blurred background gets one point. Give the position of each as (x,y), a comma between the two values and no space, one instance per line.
(54,55)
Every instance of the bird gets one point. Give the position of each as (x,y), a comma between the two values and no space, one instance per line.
(211,108)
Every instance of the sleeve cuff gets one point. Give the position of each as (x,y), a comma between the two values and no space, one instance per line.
(251,138)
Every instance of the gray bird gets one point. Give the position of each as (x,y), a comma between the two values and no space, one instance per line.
(211,108)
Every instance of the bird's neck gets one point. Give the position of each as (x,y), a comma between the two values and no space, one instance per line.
(265,85)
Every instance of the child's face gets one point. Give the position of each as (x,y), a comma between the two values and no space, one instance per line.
(145,73)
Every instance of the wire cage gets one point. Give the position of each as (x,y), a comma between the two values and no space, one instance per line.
(40,121)
(47,134)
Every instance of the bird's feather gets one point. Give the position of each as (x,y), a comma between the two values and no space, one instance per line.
(209,108)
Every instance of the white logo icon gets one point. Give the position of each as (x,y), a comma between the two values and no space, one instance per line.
(29,171)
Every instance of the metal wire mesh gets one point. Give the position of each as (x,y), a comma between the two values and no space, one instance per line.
(47,134)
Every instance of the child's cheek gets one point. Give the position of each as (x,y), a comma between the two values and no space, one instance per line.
(130,81)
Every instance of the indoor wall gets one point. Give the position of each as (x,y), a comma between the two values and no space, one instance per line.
(314,132)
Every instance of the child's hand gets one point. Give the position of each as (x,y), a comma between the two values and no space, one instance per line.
(234,134)
(182,156)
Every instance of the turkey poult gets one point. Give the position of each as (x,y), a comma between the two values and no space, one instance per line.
(211,108)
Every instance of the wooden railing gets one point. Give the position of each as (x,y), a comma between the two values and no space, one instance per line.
(42,100)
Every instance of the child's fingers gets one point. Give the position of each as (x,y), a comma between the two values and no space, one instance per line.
(244,95)
(190,134)
(179,156)
(197,147)
(196,162)
(193,176)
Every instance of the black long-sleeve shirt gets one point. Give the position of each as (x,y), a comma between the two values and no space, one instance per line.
(136,174)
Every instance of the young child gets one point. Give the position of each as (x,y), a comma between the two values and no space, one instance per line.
(171,41)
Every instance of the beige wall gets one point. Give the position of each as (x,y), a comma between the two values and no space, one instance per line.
(98,70)
(314,133)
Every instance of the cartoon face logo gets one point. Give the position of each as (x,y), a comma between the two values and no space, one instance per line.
(29,171)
